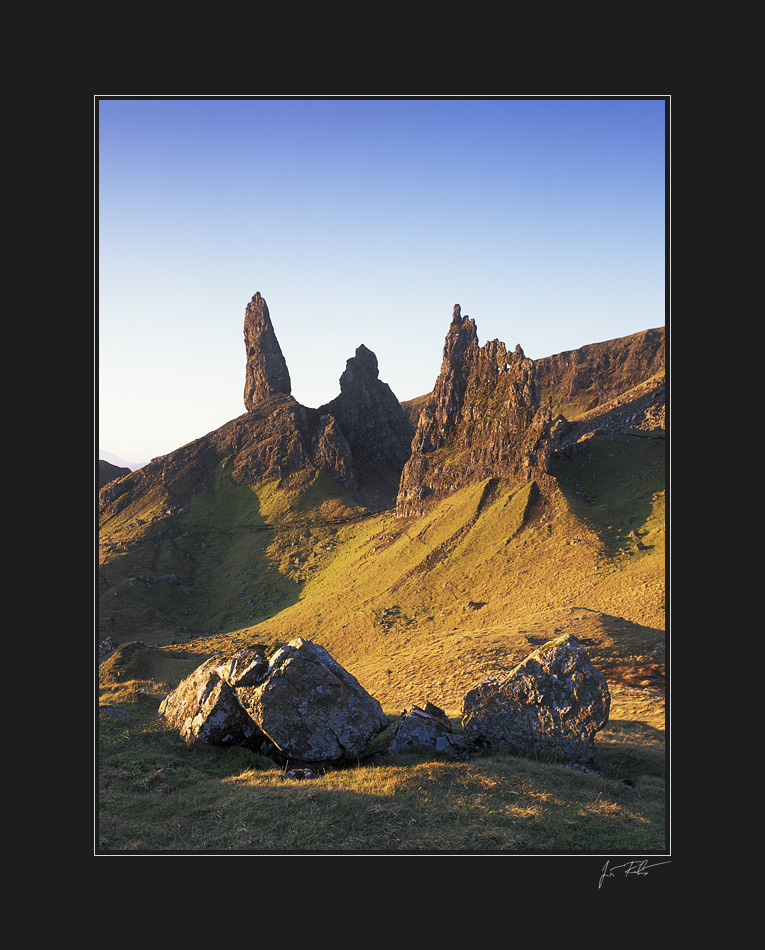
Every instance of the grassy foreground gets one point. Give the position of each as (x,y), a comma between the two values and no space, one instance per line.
(156,794)
(416,610)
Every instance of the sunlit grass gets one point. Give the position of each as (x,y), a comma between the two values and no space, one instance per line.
(158,794)
(389,599)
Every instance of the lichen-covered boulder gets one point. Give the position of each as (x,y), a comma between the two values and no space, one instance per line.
(551,704)
(300,705)
(312,708)
(205,706)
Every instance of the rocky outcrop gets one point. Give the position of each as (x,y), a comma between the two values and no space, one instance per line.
(363,436)
(550,705)
(614,386)
(371,418)
(482,419)
(299,706)
(266,374)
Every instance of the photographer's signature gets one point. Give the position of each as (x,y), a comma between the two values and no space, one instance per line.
(638,868)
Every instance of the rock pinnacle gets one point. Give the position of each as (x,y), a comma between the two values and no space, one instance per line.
(266,374)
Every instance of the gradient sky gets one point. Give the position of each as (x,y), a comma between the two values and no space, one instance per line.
(359,221)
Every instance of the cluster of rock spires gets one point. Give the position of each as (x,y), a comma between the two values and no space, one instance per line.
(372,425)
(361,438)
(364,434)
(365,428)
(484,418)
(302,707)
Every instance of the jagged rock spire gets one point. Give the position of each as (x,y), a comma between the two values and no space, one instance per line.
(266,374)
(482,420)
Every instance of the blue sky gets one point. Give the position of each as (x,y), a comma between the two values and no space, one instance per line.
(359,221)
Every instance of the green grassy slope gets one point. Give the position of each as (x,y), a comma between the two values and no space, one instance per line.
(408,605)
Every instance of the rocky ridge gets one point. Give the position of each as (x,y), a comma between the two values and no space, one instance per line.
(483,419)
(585,379)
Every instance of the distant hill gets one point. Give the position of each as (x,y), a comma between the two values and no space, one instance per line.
(107,472)
(118,461)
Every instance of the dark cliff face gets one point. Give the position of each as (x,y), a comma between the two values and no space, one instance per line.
(482,419)
(371,418)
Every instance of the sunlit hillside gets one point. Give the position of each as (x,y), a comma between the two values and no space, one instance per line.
(416,608)
(191,561)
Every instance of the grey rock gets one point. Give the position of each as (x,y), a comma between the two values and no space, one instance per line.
(424,730)
(311,707)
(205,706)
(300,706)
(551,705)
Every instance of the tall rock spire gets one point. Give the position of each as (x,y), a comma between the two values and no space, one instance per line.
(266,374)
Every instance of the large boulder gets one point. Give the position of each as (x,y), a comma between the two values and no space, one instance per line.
(300,705)
(311,707)
(550,705)
(205,706)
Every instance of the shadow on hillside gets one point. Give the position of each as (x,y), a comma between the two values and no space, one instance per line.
(195,571)
(610,483)
(618,626)
(627,746)
(485,805)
